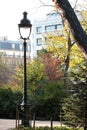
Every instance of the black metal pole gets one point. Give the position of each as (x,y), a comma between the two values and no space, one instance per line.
(25,87)
(25,23)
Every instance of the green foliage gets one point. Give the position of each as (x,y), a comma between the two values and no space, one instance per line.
(4,74)
(8,101)
(35,79)
(75,106)
(43,92)
(48,104)
(84,21)
(35,71)
(16,82)
(48,128)
(44,85)
(10,76)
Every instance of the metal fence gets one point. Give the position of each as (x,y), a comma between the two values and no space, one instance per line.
(33,120)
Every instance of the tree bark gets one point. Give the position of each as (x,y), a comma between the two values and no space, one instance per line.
(74,24)
(67,61)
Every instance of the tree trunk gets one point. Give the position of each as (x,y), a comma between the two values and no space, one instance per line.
(74,24)
(85,128)
(67,61)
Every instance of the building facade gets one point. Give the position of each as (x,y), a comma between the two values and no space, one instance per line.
(52,22)
(12,52)
(41,27)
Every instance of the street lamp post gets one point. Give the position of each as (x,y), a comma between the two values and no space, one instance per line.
(25,31)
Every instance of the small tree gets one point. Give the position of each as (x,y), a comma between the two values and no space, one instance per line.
(75,106)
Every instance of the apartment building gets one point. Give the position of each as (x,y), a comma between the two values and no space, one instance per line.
(14,49)
(51,23)
(12,52)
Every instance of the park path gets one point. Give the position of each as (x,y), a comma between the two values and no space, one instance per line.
(8,124)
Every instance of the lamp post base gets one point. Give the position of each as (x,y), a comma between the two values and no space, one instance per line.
(25,116)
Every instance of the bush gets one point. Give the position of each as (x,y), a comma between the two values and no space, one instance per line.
(48,128)
(8,102)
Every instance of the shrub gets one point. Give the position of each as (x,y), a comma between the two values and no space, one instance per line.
(48,128)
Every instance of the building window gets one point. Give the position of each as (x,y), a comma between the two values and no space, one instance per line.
(39,30)
(53,27)
(58,26)
(6,45)
(17,47)
(39,41)
(49,28)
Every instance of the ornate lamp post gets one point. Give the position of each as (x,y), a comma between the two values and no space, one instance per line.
(25,31)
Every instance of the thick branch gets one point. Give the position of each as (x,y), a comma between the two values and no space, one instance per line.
(74,24)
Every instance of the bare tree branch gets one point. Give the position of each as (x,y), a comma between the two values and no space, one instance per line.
(44,4)
(75,4)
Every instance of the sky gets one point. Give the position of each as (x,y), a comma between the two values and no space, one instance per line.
(11,12)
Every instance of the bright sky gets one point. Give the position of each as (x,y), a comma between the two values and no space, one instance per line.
(11,14)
